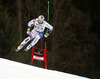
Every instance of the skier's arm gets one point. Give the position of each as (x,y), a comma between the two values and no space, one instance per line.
(49,30)
(30,24)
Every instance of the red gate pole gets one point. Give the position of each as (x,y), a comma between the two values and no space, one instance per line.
(32,55)
(45,56)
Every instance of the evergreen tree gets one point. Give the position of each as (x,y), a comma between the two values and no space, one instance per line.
(7,32)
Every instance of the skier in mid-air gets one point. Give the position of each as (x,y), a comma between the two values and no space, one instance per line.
(39,25)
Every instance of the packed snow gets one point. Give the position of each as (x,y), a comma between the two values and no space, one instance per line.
(15,70)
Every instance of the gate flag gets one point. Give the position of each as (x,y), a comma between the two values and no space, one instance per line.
(39,55)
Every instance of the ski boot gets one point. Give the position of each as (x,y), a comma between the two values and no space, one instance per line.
(28,47)
(18,48)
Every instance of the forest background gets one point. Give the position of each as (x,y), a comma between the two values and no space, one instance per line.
(74,45)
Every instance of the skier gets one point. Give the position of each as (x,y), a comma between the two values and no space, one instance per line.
(37,32)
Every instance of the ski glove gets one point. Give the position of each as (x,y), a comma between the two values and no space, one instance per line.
(47,33)
(28,31)
(45,36)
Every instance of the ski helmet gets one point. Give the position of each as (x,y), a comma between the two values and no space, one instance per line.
(41,19)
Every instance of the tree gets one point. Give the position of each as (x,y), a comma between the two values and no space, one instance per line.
(7,32)
(19,14)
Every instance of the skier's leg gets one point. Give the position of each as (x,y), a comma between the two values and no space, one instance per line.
(34,41)
(24,42)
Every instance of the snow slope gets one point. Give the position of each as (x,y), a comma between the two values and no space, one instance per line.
(14,70)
